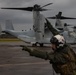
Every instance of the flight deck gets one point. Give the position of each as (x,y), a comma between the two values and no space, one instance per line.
(14,61)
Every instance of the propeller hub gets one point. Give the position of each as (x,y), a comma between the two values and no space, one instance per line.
(36,7)
(59,16)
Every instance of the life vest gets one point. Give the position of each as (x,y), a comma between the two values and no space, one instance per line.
(68,68)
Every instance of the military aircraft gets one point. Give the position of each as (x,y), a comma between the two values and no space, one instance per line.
(59,24)
(41,30)
(70,38)
(37,35)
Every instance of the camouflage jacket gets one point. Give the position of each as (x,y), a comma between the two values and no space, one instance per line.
(63,60)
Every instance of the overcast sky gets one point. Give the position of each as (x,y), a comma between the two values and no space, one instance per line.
(24,19)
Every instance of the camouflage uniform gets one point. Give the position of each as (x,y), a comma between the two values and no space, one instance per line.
(63,59)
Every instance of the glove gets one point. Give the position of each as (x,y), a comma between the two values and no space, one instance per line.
(26,49)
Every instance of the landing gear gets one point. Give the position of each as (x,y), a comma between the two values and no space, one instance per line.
(35,44)
(41,44)
(22,48)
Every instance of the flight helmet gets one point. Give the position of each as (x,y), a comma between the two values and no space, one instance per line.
(58,40)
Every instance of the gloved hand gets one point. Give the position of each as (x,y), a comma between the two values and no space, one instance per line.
(26,49)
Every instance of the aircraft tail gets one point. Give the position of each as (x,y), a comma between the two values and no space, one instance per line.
(9,25)
(0,29)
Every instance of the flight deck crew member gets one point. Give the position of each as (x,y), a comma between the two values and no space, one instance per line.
(63,58)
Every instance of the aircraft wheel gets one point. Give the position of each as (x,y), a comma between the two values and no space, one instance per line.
(34,44)
(41,44)
(22,49)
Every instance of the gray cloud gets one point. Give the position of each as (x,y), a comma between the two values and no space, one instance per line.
(68,7)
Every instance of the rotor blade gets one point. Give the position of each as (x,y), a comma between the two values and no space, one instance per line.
(25,9)
(62,17)
(58,16)
(51,28)
(46,5)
